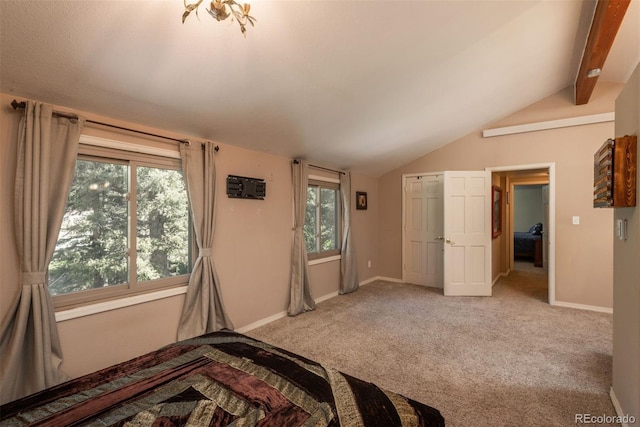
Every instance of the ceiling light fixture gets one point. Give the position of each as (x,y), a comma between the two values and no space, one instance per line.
(594,72)
(223,9)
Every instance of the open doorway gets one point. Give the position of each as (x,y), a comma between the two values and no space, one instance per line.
(522,215)
(530,220)
(530,206)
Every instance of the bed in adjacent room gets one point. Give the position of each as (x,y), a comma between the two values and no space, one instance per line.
(219,379)
(527,245)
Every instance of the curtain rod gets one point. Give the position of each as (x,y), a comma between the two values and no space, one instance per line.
(16,105)
(296,161)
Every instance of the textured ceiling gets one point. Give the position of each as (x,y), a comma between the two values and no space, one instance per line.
(365,85)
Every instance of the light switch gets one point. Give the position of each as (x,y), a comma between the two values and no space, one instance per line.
(576,220)
(621,229)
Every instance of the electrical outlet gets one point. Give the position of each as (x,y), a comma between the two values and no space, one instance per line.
(576,220)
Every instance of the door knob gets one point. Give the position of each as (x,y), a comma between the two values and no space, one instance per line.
(450,241)
(440,238)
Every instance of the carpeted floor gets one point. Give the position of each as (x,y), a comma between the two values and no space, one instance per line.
(507,360)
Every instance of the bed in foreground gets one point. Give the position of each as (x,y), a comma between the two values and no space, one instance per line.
(219,379)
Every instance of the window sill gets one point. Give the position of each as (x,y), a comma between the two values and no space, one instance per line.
(323,260)
(101,307)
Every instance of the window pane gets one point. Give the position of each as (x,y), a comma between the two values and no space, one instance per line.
(328,225)
(162,224)
(91,248)
(311,219)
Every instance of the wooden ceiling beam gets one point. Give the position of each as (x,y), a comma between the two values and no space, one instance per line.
(604,27)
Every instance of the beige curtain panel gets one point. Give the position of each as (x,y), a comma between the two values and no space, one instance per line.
(300,299)
(348,264)
(31,355)
(203,310)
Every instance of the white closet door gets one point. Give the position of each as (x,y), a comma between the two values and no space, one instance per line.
(423,264)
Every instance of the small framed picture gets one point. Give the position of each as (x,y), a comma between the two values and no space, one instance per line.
(361,200)
(496,213)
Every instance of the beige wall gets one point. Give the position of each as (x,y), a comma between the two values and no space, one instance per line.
(365,226)
(626,275)
(583,253)
(528,209)
(252,250)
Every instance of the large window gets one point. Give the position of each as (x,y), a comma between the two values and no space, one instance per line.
(126,228)
(322,219)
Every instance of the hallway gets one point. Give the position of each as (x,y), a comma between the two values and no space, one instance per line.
(527,279)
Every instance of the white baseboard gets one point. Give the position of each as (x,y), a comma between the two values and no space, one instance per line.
(326,297)
(584,307)
(261,322)
(389,279)
(280,315)
(318,300)
(618,408)
(498,277)
(370,280)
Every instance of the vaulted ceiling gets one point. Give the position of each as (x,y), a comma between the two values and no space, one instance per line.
(365,85)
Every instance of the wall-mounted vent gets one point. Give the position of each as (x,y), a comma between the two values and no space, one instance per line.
(242,187)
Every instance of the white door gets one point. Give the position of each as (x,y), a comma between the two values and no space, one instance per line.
(423,234)
(467,232)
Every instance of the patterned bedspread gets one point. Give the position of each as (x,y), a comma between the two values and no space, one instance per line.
(219,379)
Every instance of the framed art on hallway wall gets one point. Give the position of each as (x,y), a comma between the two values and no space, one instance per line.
(496,211)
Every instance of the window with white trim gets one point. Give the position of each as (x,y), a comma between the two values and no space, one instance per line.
(322,227)
(126,228)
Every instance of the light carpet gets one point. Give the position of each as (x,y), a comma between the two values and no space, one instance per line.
(507,360)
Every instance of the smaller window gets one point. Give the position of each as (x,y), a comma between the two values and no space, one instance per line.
(322,219)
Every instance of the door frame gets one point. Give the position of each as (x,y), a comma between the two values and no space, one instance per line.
(551,167)
(404,221)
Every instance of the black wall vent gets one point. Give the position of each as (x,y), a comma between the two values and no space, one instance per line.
(242,187)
